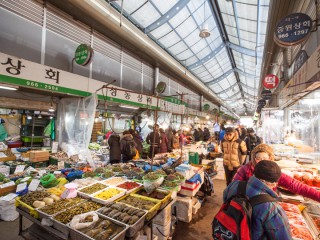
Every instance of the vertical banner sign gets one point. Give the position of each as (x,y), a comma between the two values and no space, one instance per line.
(292,29)
(270,81)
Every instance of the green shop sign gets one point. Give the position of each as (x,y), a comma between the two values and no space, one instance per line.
(206,107)
(83,54)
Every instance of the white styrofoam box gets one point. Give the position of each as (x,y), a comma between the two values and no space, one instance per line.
(191,192)
(164,216)
(5,170)
(163,232)
(196,205)
(183,207)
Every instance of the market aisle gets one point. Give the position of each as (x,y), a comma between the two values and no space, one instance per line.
(200,226)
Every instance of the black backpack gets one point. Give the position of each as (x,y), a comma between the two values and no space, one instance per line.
(233,221)
(130,149)
(207,186)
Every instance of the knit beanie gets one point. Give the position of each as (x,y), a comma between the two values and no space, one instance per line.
(262,148)
(267,170)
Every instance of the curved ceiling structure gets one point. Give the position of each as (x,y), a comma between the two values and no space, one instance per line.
(229,60)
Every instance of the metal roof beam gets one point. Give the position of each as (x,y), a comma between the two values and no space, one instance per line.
(226,74)
(167,16)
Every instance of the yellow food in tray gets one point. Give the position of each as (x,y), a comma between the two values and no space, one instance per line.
(108,193)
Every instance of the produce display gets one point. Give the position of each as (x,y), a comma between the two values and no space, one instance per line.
(307,178)
(84,182)
(107,174)
(169,184)
(61,205)
(108,193)
(151,176)
(31,197)
(3,178)
(93,188)
(66,216)
(57,190)
(89,174)
(103,229)
(138,202)
(94,146)
(114,181)
(122,213)
(52,168)
(298,226)
(128,185)
(49,180)
(316,221)
(155,194)
(117,169)
(59,155)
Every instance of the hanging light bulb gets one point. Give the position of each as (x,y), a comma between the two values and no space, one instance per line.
(207,117)
(51,109)
(29,117)
(39,116)
(204,32)
(51,117)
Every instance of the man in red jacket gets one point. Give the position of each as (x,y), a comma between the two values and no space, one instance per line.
(264,152)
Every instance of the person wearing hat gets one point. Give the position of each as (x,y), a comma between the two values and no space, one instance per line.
(157,141)
(265,152)
(252,140)
(234,153)
(268,221)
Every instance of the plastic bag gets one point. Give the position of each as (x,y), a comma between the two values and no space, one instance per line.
(49,180)
(47,130)
(8,211)
(84,220)
(150,186)
(3,133)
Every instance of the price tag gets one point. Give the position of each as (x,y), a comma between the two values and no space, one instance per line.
(30,169)
(8,184)
(19,168)
(34,184)
(25,179)
(60,164)
(41,172)
(9,197)
(21,187)
(57,172)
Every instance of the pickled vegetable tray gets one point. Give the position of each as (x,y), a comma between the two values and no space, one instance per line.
(107,195)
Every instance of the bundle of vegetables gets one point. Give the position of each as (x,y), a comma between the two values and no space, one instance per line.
(49,181)
(94,146)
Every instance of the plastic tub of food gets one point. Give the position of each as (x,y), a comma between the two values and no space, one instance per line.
(95,197)
(114,181)
(163,195)
(129,186)
(87,191)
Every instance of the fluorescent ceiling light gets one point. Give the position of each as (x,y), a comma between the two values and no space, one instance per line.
(8,88)
(128,106)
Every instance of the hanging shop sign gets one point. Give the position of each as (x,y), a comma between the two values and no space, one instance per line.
(262,102)
(206,107)
(266,94)
(303,82)
(301,58)
(20,72)
(292,29)
(270,81)
(83,54)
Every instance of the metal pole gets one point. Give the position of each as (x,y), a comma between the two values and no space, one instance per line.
(154,132)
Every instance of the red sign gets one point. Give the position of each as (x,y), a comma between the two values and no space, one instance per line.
(270,81)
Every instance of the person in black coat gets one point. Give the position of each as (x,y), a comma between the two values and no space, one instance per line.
(137,140)
(114,145)
(196,135)
(252,140)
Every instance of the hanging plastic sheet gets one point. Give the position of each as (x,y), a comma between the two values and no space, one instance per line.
(75,121)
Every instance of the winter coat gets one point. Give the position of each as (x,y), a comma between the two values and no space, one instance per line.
(175,142)
(170,139)
(163,143)
(196,135)
(200,135)
(138,143)
(115,151)
(206,135)
(234,152)
(123,143)
(252,142)
(149,139)
(293,185)
(221,135)
(269,221)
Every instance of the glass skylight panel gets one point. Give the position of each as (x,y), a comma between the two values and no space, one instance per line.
(182,15)
(226,7)
(232,31)
(247,25)
(169,39)
(248,35)
(247,11)
(234,40)
(161,31)
(199,70)
(191,60)
(185,55)
(247,44)
(146,19)
(164,5)
(223,95)
(249,59)
(177,48)
(229,20)
(199,45)
(212,63)
(262,28)
(203,53)
(224,83)
(216,87)
(129,8)
(186,27)
(193,38)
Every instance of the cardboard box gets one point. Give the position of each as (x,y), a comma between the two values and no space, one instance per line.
(39,156)
(5,159)
(10,189)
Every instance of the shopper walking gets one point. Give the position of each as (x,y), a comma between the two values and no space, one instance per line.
(114,147)
(127,146)
(164,143)
(234,153)
(206,134)
(222,132)
(264,152)
(268,221)
(170,138)
(217,130)
(252,140)
(175,140)
(137,140)
(196,135)
(156,144)
(200,134)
